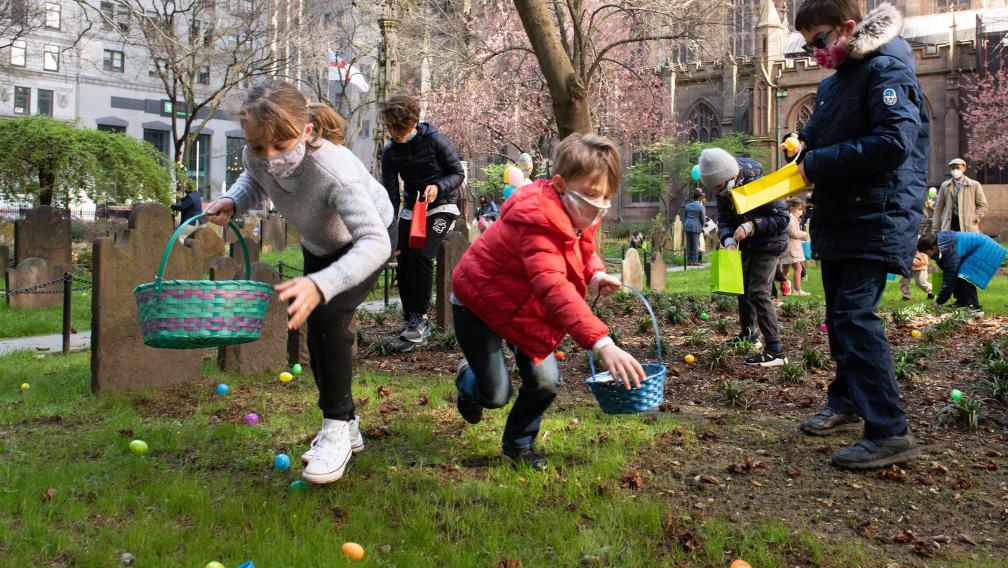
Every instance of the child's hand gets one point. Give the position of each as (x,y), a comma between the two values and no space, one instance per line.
(743,231)
(306,296)
(430,193)
(622,366)
(609,285)
(220,211)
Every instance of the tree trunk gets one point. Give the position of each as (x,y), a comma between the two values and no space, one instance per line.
(46,181)
(569,94)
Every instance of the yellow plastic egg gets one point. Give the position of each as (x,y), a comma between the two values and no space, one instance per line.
(286,377)
(353,551)
(689,359)
(25,386)
(915,334)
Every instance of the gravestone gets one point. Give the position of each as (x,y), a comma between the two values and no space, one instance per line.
(293,237)
(249,228)
(659,273)
(452,248)
(32,272)
(677,234)
(633,271)
(43,233)
(4,258)
(658,238)
(119,359)
(269,353)
(235,251)
(273,233)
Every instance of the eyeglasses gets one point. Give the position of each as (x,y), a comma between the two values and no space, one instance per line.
(819,42)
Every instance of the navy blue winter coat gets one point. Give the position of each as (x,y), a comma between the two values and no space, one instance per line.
(770,220)
(189,206)
(974,257)
(428,159)
(868,149)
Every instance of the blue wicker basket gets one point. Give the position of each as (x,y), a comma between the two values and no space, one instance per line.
(613,397)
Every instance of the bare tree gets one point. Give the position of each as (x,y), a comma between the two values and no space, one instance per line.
(203,50)
(19,18)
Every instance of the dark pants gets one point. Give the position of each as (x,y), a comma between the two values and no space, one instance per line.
(692,247)
(488,381)
(755,308)
(415,273)
(330,340)
(966,294)
(865,382)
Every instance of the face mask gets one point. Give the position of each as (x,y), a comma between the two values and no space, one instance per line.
(583,213)
(832,56)
(283,165)
(957,174)
(728,186)
(409,137)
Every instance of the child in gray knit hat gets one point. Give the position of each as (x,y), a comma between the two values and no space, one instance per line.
(761,236)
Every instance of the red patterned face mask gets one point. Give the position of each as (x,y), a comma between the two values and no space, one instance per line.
(832,56)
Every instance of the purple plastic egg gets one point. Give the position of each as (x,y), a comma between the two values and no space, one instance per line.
(251,418)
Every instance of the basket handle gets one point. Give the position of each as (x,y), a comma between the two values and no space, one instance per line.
(654,322)
(174,239)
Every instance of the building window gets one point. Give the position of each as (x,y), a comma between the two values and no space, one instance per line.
(204,76)
(235,147)
(53,11)
(946,5)
(703,124)
(114,61)
(199,164)
(155,63)
(158,138)
(43,102)
(804,114)
(123,19)
(112,128)
(18,53)
(740,28)
(107,16)
(22,98)
(51,58)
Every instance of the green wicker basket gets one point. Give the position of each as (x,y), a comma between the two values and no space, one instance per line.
(195,314)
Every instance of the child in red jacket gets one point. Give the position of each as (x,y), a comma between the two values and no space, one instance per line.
(524,282)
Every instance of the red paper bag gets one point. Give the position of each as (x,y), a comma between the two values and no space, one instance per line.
(418,226)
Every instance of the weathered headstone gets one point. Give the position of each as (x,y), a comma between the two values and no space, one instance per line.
(235,251)
(248,227)
(32,272)
(270,352)
(452,248)
(293,237)
(677,234)
(633,271)
(119,359)
(4,258)
(43,233)
(273,233)
(659,273)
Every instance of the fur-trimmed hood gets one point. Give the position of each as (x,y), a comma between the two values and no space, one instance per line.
(878,28)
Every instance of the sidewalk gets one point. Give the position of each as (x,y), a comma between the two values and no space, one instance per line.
(48,343)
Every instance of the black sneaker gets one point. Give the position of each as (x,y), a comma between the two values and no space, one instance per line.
(471,410)
(413,322)
(930,296)
(525,456)
(870,454)
(829,421)
(767,359)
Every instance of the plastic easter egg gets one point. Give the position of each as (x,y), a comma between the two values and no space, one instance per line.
(915,334)
(214,564)
(353,551)
(138,447)
(792,145)
(223,389)
(296,369)
(932,193)
(704,316)
(247,564)
(25,386)
(822,327)
(956,395)
(689,359)
(281,462)
(741,563)
(560,355)
(695,172)
(251,418)
(298,485)
(286,377)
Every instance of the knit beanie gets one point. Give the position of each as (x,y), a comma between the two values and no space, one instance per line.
(717,167)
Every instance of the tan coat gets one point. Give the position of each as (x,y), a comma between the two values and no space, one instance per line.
(972,207)
(795,237)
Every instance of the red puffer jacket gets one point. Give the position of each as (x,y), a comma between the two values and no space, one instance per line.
(527,275)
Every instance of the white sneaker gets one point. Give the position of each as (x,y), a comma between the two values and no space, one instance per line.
(332,453)
(800,293)
(356,441)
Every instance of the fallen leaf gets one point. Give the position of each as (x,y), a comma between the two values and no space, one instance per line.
(923,548)
(709,479)
(963,482)
(668,407)
(901,537)
(509,563)
(363,401)
(633,481)
(866,529)
(676,370)
(384,391)
(376,433)
(388,407)
(385,549)
(795,472)
(708,435)
(48,494)
(989,465)
(423,400)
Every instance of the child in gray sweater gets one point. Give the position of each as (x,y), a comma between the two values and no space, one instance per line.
(345,220)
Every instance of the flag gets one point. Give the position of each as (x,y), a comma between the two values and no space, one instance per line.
(342,70)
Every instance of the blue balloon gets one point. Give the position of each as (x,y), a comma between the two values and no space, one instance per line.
(508,190)
(222,389)
(282,462)
(695,173)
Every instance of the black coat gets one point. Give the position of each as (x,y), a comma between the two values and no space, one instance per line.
(868,150)
(770,222)
(428,159)
(189,206)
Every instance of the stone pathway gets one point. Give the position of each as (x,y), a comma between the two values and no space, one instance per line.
(46,343)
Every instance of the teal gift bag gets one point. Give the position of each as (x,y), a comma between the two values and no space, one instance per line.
(726,272)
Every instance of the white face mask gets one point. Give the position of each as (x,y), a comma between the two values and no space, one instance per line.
(583,212)
(284,165)
(957,173)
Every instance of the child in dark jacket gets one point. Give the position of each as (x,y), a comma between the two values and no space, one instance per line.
(866,150)
(967,260)
(761,235)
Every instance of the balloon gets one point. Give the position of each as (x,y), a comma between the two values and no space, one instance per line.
(695,173)
(523,183)
(932,193)
(525,164)
(513,175)
(508,190)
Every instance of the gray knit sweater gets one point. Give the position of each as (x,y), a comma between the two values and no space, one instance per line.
(332,200)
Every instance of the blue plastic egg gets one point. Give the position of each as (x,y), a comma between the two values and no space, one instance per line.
(282,462)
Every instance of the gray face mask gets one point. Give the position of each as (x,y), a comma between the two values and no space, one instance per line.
(283,165)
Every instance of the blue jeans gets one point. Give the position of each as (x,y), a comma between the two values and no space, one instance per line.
(487,380)
(865,382)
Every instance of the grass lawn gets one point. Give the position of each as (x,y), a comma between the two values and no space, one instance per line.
(432,490)
(21,322)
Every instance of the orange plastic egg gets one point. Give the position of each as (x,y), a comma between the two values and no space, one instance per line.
(740,564)
(353,551)
(560,355)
